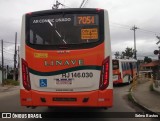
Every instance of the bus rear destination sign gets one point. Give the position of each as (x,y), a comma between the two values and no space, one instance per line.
(89,33)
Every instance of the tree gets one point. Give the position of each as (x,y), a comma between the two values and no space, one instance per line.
(117,55)
(147,59)
(128,53)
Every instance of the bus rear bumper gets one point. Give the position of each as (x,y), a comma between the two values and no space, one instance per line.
(71,99)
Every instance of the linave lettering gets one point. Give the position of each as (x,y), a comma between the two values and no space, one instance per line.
(63,62)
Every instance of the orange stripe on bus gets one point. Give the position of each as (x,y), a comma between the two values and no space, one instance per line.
(92,56)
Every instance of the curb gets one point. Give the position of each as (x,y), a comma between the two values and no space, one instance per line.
(155,90)
(134,101)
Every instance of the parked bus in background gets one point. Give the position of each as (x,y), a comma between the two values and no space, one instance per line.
(66,59)
(124,70)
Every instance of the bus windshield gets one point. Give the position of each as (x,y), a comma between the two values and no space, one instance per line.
(60,29)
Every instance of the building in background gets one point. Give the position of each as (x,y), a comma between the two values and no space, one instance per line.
(152,68)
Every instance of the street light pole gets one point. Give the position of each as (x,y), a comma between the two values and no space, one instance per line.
(134,30)
(15,57)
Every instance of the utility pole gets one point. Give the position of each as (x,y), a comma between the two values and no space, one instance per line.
(18,62)
(15,55)
(2,64)
(18,55)
(158,51)
(134,29)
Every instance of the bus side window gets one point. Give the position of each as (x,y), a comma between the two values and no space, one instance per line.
(134,65)
(123,66)
(128,66)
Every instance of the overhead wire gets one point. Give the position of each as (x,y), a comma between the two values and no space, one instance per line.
(129,27)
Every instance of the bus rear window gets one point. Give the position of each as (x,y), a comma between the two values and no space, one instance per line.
(115,64)
(61,29)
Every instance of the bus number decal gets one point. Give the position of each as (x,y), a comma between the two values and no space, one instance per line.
(86,20)
(78,75)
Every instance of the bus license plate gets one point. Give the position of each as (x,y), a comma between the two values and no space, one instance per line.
(64,82)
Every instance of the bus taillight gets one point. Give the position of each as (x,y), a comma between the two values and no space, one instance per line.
(25,75)
(104,81)
(29,13)
(98,9)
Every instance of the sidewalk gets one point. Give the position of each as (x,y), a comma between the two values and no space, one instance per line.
(5,88)
(149,100)
(8,90)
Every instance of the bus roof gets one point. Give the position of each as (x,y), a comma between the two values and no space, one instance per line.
(126,60)
(66,10)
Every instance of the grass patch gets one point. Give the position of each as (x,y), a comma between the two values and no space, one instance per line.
(11,82)
(151,87)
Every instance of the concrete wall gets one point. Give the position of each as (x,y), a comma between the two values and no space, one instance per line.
(156,85)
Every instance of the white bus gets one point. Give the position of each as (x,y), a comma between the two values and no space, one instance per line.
(124,70)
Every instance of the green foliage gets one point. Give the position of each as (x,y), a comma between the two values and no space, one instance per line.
(147,59)
(128,53)
(11,82)
(117,55)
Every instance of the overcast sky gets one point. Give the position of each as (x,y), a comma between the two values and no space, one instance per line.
(123,15)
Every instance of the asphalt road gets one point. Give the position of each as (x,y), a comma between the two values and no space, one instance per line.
(10,103)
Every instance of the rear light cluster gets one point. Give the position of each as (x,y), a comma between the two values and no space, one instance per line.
(104,80)
(98,9)
(25,75)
